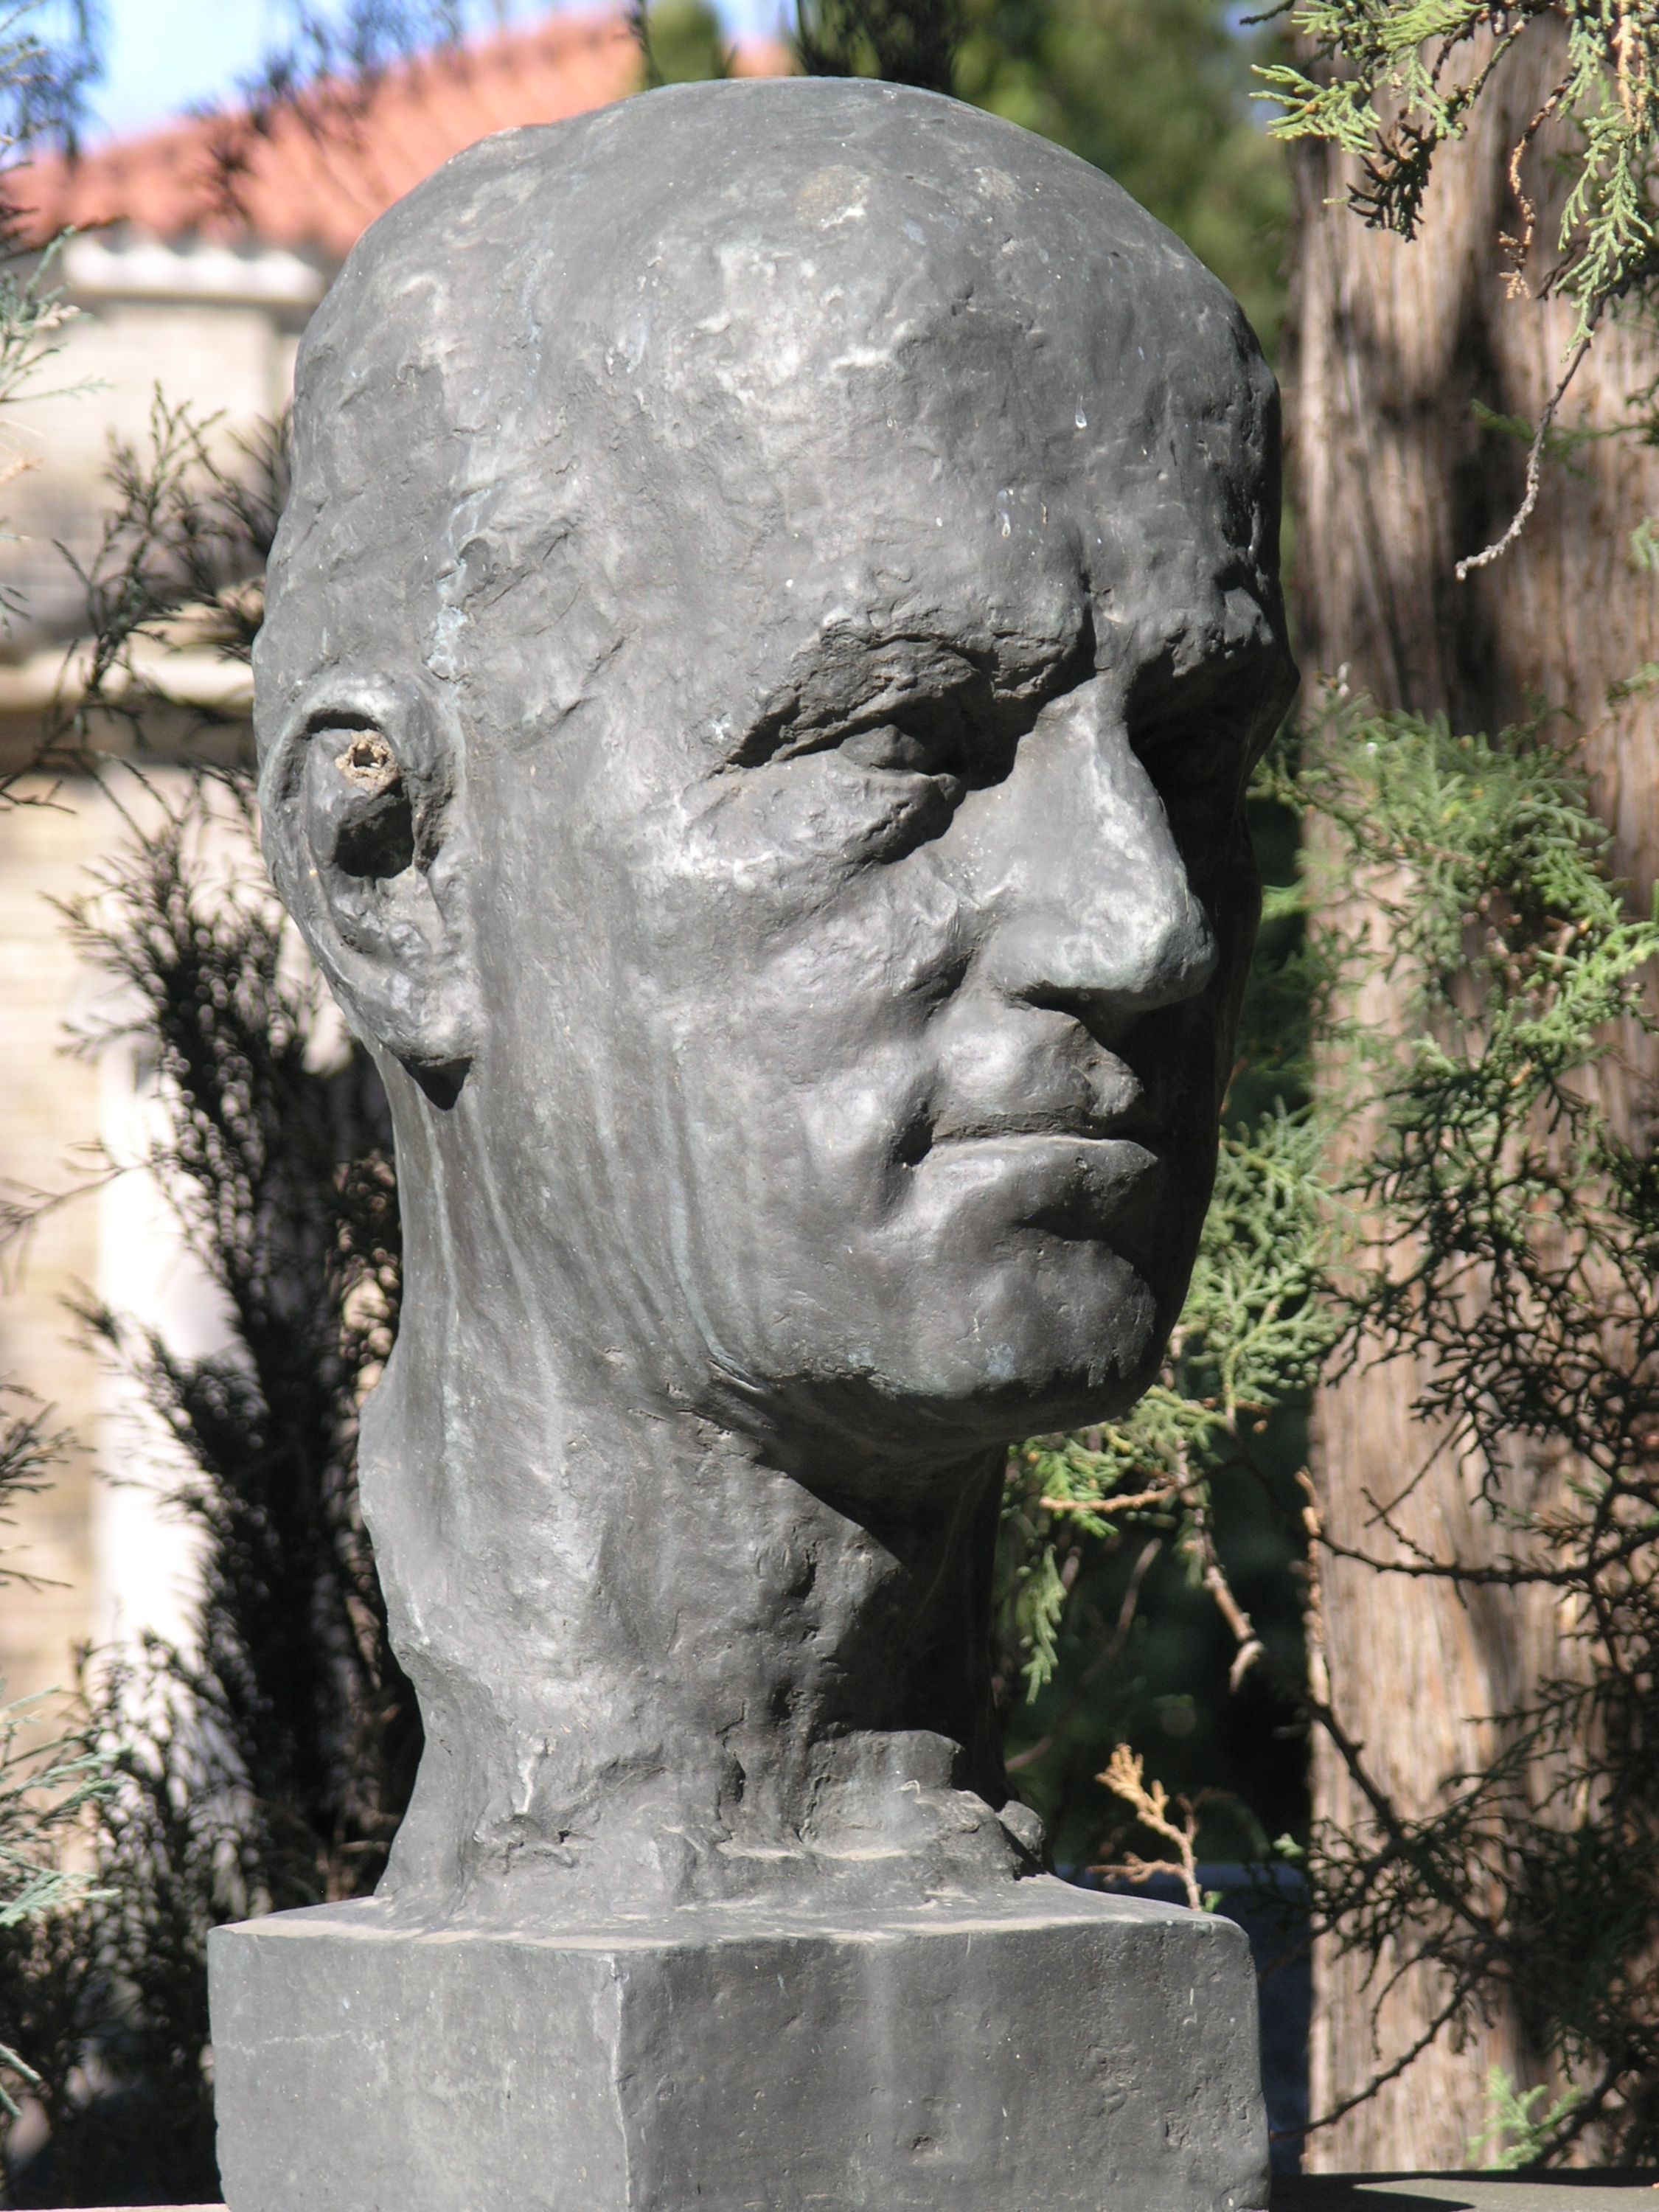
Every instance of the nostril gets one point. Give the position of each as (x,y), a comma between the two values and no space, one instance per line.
(915,1140)
(1105,1015)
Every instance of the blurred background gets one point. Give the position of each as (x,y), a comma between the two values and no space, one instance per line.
(215,163)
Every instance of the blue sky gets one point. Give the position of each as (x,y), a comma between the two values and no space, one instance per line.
(163,54)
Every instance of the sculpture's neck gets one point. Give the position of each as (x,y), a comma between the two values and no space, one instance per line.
(654,1669)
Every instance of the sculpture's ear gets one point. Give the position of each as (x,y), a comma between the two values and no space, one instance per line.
(360,802)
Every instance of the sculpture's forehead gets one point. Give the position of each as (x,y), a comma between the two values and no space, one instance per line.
(770,237)
(721,321)
(854,212)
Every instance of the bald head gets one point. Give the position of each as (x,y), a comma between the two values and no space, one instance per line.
(595,379)
(799,555)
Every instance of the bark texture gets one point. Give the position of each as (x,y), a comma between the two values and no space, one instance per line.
(1392,344)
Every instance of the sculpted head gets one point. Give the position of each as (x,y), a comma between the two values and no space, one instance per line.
(778,607)
(809,552)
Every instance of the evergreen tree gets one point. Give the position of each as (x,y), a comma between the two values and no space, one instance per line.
(269,1762)
(905,41)
(1430,409)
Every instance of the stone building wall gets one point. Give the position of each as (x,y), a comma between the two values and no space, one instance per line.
(212,327)
(46,1103)
(218,328)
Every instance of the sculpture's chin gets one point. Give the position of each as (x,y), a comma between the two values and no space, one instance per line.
(978,1367)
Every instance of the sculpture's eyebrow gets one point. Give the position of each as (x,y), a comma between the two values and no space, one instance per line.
(1233,695)
(850,681)
(854,683)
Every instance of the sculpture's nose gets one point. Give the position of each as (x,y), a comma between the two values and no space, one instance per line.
(1074,863)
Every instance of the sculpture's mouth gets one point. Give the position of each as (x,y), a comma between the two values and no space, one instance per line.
(1074,1122)
(1066,1182)
(1102,1102)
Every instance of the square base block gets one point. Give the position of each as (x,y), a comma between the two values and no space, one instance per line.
(1043,2050)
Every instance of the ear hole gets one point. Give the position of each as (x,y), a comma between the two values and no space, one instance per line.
(368,761)
(375,831)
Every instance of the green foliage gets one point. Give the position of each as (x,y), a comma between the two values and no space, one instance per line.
(278,1160)
(44,1788)
(180,567)
(269,1764)
(44,78)
(682,43)
(1399,79)
(1392,82)
(33,318)
(1480,853)
(1514,2113)
(1520,1255)
(50,1775)
(1511,1252)
(1251,1336)
(905,41)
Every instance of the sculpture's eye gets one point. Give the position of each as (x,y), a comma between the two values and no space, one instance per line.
(1199,764)
(1198,735)
(1188,758)
(890,747)
(952,736)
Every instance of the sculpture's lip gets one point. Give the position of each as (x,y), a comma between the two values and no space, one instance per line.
(1056,1179)
(1073,1125)
(1022,1144)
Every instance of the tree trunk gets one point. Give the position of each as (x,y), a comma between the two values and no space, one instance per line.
(1391,347)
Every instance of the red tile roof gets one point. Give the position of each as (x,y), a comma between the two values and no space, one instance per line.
(317,184)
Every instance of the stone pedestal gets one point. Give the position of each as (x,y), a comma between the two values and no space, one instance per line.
(1043,2049)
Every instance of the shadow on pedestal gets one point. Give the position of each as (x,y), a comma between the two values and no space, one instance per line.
(1457,2192)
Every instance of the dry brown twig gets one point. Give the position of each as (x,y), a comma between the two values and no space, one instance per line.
(1499,546)
(1163,1494)
(1125,1777)
(1319,1680)
(1517,248)
(1249,1644)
